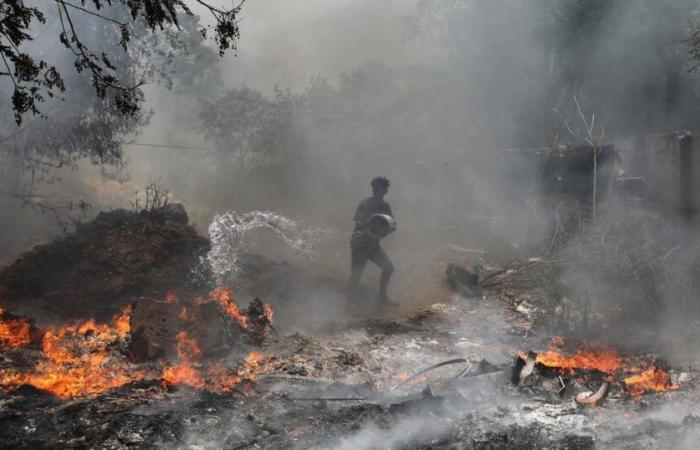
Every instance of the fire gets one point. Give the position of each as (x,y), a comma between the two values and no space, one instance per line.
(187,348)
(122,322)
(652,379)
(77,362)
(83,359)
(171,297)
(185,373)
(214,377)
(645,376)
(268,312)
(605,360)
(224,296)
(13,332)
(226,382)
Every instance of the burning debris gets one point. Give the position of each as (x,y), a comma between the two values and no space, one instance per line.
(15,331)
(89,358)
(627,376)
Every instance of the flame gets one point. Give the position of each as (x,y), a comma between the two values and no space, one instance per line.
(652,379)
(185,373)
(171,297)
(187,348)
(268,312)
(605,360)
(123,322)
(14,332)
(183,314)
(80,359)
(226,381)
(225,297)
(77,361)
(645,376)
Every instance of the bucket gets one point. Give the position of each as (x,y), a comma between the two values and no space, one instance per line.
(380,225)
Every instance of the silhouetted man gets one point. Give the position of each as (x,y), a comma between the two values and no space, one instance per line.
(373,221)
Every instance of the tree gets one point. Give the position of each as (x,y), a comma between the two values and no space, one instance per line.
(627,59)
(256,129)
(84,125)
(33,79)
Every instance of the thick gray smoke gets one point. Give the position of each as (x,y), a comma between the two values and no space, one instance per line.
(434,95)
(428,93)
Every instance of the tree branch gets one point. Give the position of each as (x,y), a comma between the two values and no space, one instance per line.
(93,13)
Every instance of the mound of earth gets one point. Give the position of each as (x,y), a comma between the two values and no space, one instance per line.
(104,265)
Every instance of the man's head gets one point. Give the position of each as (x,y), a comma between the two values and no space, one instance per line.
(380,186)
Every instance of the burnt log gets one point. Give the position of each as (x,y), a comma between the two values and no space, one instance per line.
(463,281)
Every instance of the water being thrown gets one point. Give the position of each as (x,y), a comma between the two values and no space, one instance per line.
(228,232)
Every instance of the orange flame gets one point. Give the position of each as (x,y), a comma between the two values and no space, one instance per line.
(605,360)
(184,374)
(226,381)
(14,332)
(79,359)
(224,296)
(645,377)
(652,379)
(122,322)
(269,313)
(77,362)
(187,348)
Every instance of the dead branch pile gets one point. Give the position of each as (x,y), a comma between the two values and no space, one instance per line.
(104,264)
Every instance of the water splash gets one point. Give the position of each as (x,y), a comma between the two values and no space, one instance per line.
(227,235)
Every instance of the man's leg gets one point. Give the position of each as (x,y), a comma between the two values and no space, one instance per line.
(381,259)
(358,261)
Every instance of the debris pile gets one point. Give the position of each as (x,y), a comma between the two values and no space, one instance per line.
(103,265)
(557,373)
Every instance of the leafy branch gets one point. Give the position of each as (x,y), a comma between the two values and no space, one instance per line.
(33,79)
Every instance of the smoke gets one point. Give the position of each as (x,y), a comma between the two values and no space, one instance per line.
(458,83)
(434,95)
(412,430)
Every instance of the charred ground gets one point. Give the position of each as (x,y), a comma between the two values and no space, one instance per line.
(349,386)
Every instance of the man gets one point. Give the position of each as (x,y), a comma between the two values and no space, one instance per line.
(364,243)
